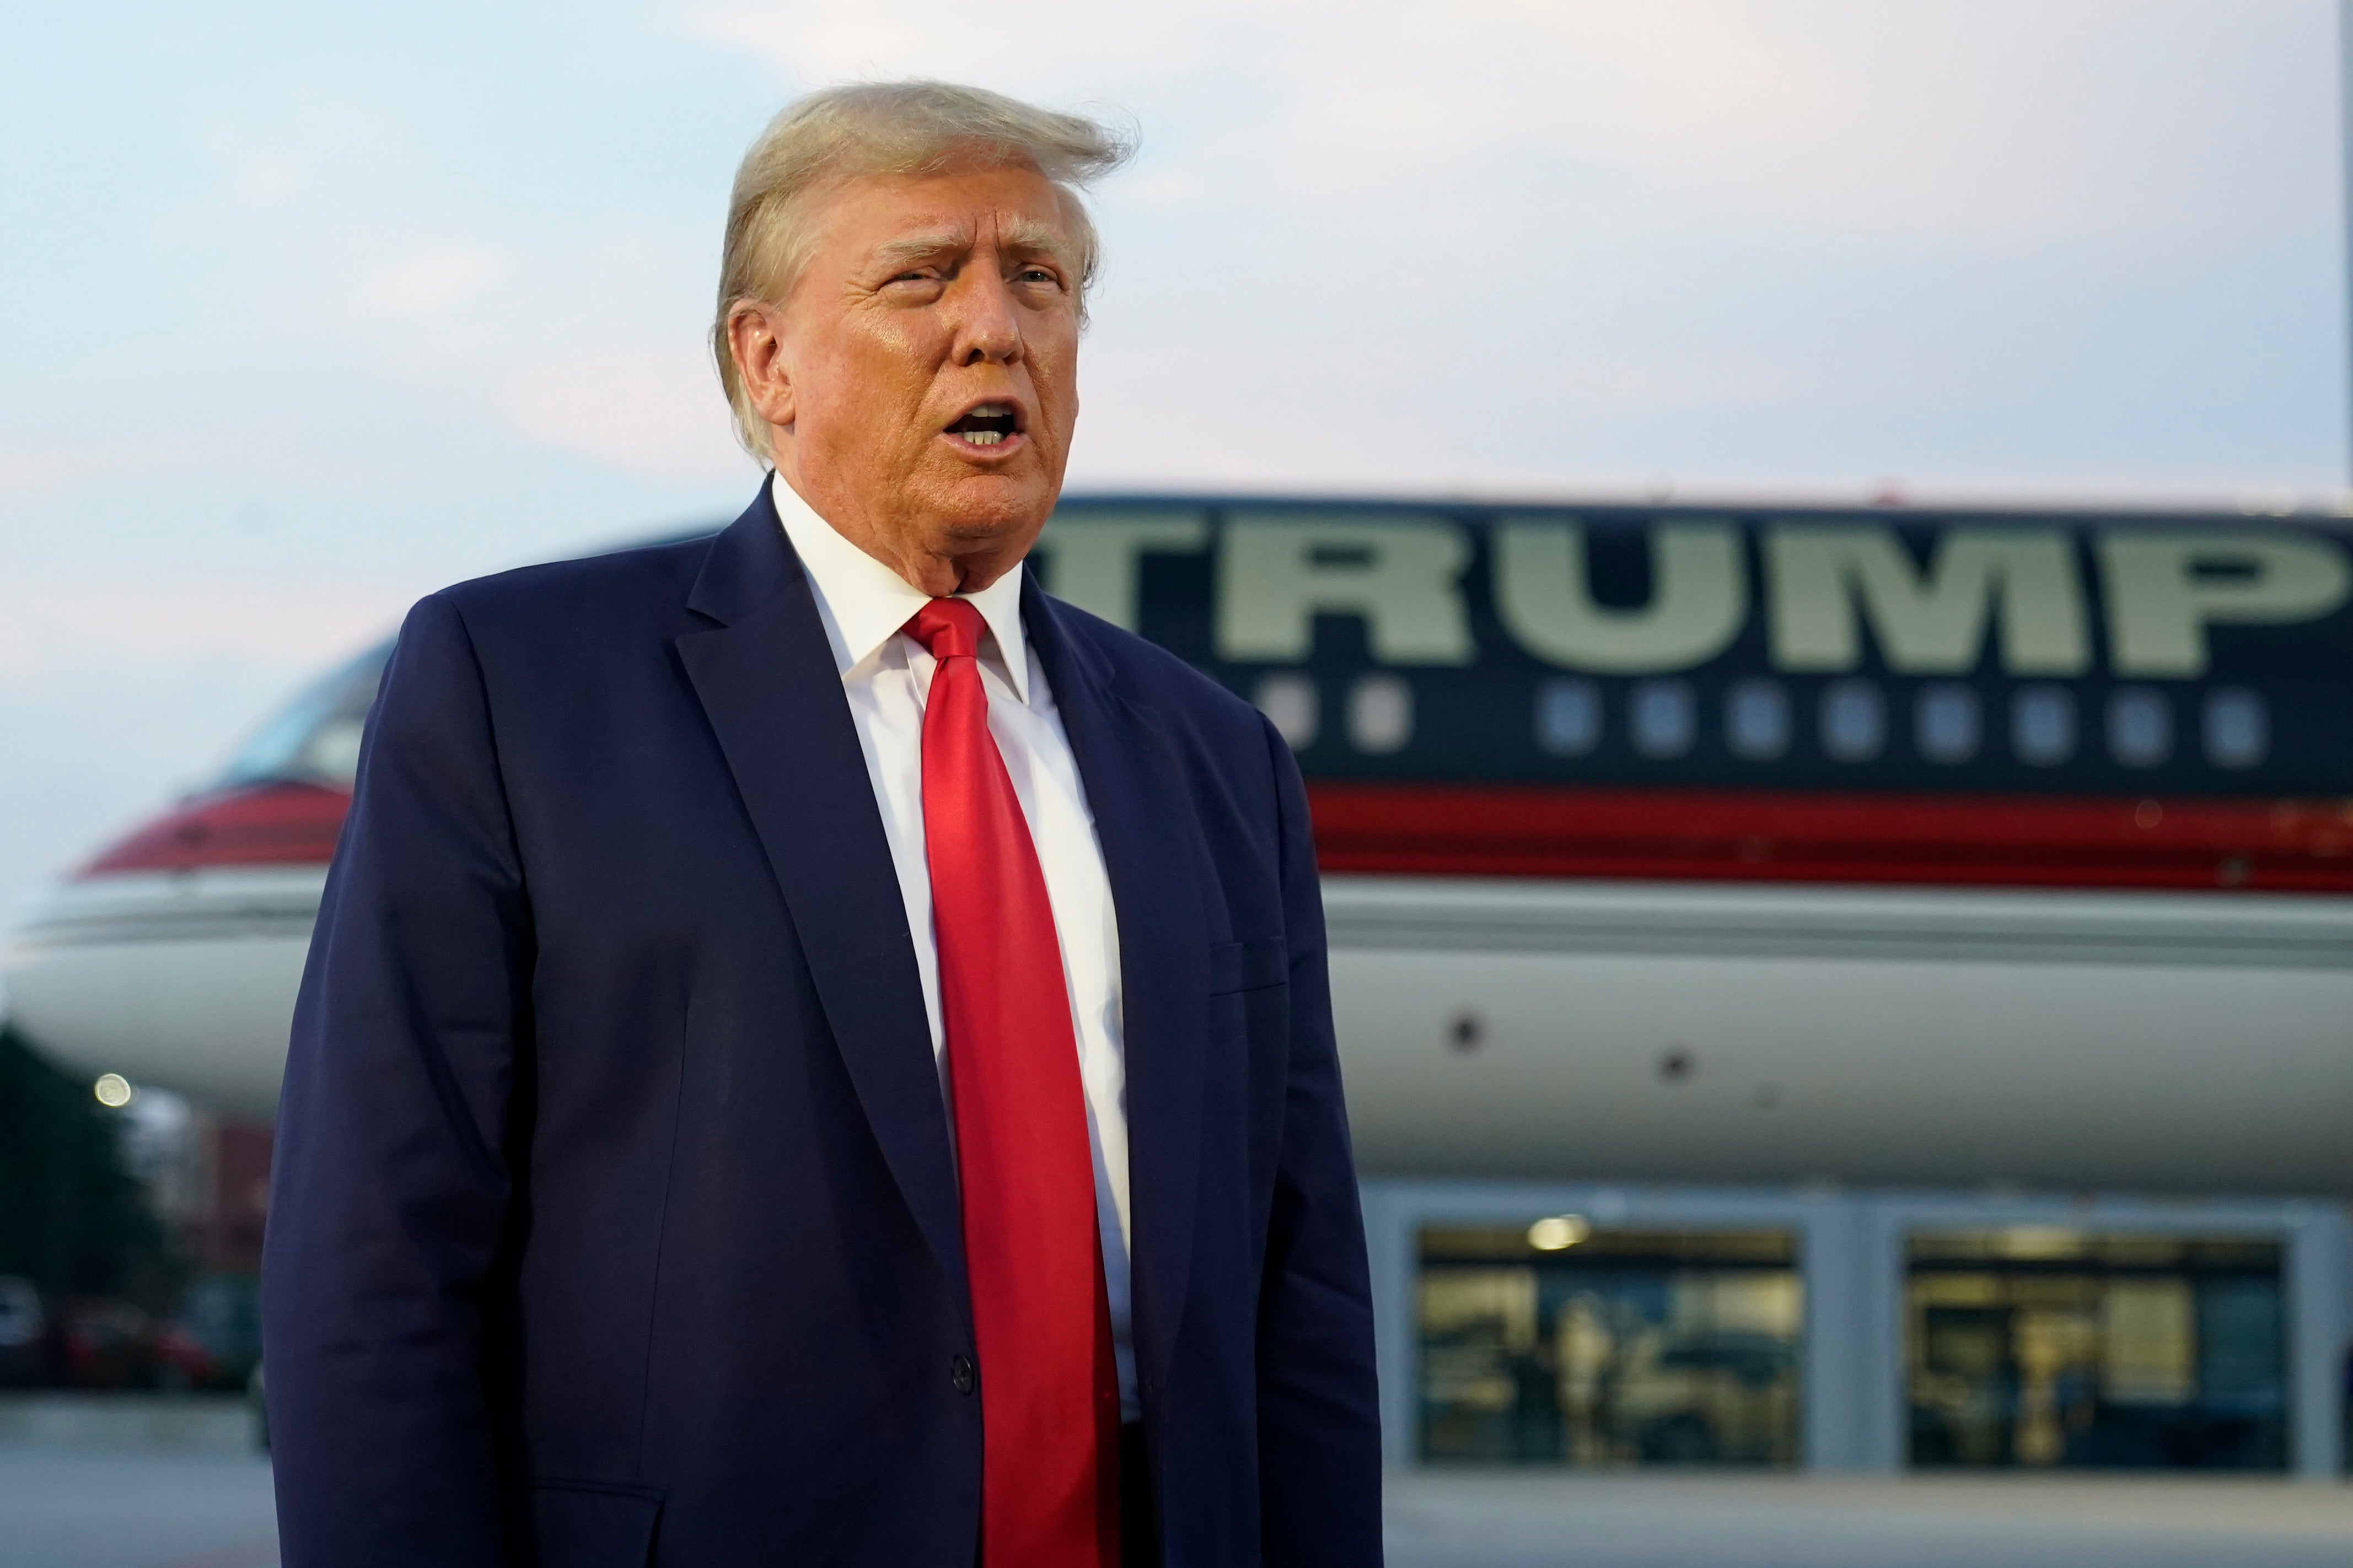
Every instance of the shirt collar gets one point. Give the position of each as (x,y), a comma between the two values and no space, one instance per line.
(863,602)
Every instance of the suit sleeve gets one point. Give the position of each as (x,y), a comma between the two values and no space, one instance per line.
(1319,1408)
(390,1192)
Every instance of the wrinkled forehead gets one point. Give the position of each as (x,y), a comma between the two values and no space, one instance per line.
(1008,207)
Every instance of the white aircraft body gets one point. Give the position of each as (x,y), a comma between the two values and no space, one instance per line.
(1658,844)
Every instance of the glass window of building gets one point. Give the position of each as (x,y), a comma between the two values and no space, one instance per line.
(1568,717)
(2050,1348)
(1757,719)
(1664,717)
(1550,1342)
(2237,727)
(2043,725)
(2140,726)
(1945,724)
(1855,720)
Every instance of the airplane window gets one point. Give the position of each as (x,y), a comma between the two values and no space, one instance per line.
(1855,720)
(315,738)
(1757,719)
(1664,718)
(2140,726)
(2043,725)
(2238,729)
(1380,714)
(1946,722)
(1568,717)
(334,749)
(1290,703)
(274,753)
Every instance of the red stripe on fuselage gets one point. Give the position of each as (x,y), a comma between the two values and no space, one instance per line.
(2291,846)
(1464,830)
(275,823)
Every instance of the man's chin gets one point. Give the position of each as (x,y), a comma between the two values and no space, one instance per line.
(980,508)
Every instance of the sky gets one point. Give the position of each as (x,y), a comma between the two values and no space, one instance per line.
(306,310)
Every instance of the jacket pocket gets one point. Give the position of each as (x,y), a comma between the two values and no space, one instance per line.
(585,1525)
(1246,965)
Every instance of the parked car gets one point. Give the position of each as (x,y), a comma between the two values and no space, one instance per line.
(24,1332)
(222,1315)
(106,1343)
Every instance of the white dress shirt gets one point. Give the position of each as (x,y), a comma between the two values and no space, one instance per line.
(886,675)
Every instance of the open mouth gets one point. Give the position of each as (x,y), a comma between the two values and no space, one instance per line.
(988,425)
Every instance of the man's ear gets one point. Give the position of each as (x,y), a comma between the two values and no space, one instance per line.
(754,336)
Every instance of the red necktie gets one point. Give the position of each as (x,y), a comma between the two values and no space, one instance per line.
(1049,1392)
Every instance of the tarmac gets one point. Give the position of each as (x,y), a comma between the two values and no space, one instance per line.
(1654,1520)
(133,1484)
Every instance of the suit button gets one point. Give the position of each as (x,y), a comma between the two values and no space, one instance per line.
(960,1374)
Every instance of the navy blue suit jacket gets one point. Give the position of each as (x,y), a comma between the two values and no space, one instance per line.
(615,1220)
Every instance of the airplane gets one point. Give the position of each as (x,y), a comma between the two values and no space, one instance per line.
(1659,842)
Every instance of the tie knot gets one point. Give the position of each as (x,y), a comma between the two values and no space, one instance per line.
(948,627)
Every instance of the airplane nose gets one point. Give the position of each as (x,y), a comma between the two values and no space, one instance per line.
(277,823)
(172,957)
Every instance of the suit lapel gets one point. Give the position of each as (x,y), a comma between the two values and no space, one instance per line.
(767,679)
(1143,820)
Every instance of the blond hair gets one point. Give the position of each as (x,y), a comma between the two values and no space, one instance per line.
(845,134)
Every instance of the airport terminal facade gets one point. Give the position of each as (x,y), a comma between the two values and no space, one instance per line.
(1856,1330)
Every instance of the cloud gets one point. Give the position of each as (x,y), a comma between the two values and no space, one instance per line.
(651,407)
(1566,236)
(1828,116)
(253,169)
(284,154)
(24,473)
(48,628)
(1814,240)
(428,281)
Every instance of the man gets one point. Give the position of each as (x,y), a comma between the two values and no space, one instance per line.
(814,1051)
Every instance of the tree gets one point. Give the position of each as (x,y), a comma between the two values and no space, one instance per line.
(73,1219)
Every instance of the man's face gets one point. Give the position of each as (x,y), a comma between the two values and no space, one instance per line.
(923,377)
